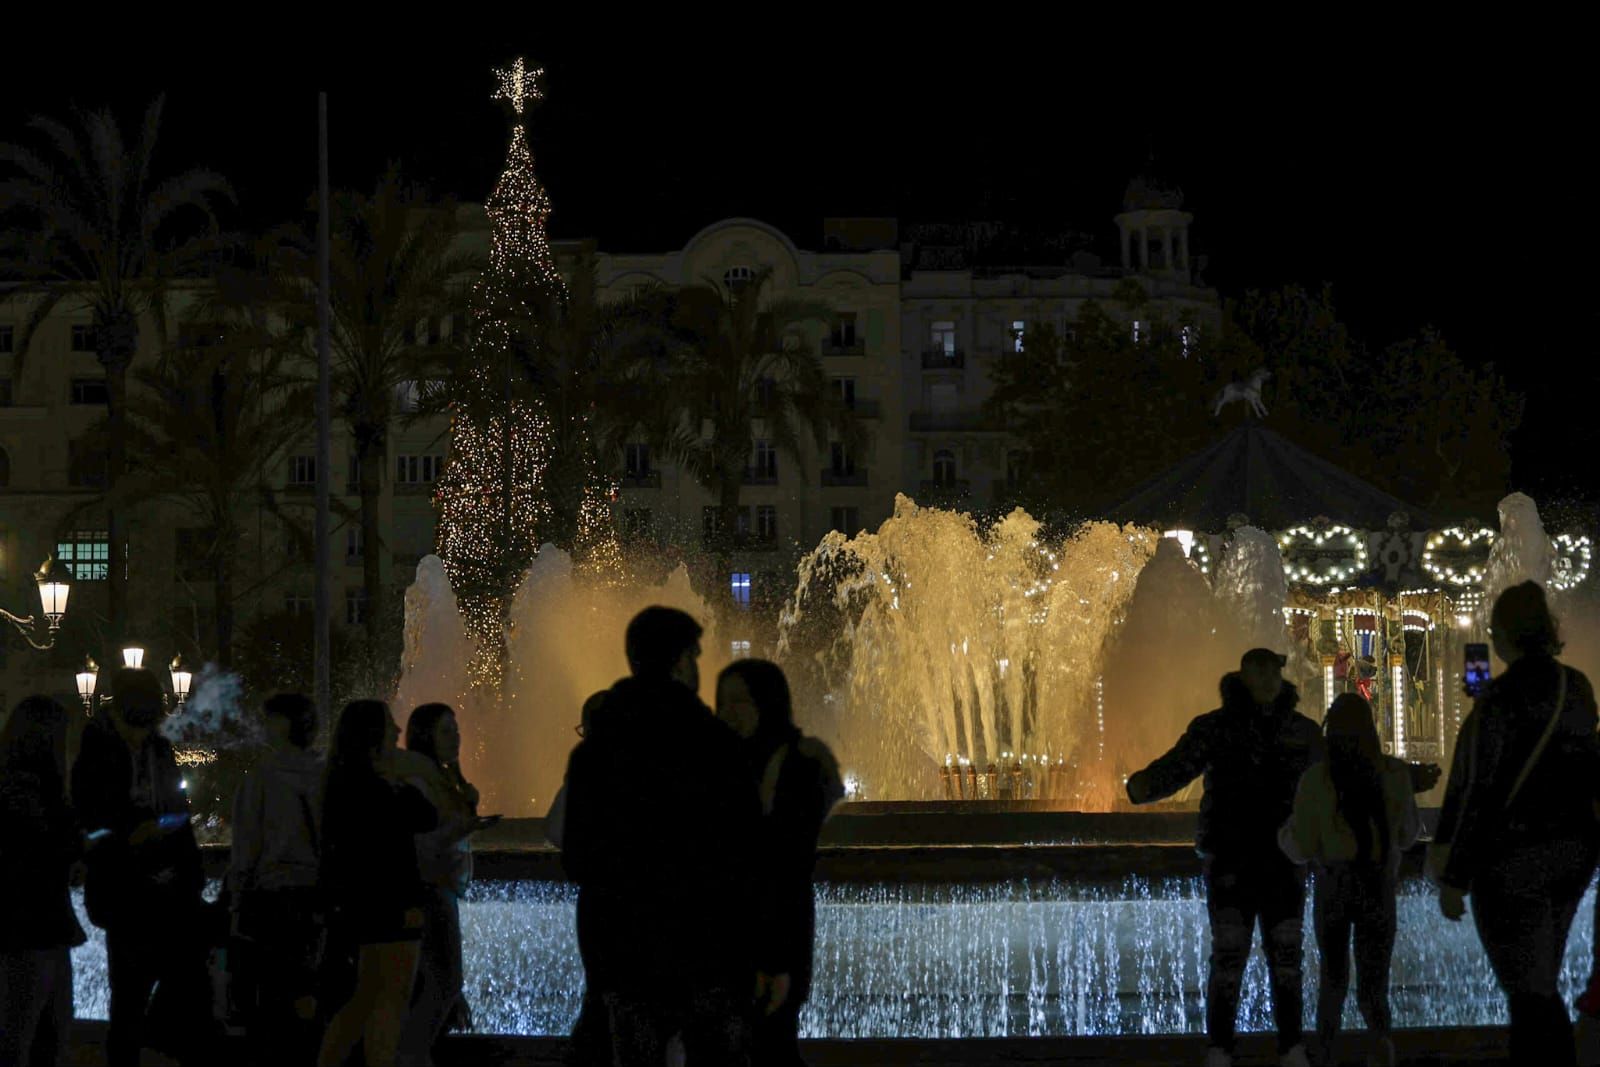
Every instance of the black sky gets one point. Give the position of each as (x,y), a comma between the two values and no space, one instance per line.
(1431,181)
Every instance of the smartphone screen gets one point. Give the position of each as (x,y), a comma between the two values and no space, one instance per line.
(1476,673)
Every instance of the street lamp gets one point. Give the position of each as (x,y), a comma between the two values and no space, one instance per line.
(180,680)
(86,680)
(54,582)
(133,656)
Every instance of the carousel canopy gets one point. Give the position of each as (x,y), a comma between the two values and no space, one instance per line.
(1254,472)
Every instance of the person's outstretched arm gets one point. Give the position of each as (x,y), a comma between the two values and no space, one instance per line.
(1186,761)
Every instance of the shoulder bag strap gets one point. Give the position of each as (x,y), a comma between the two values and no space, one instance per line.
(1544,740)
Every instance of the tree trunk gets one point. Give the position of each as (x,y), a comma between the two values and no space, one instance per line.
(370,457)
(222,553)
(116,339)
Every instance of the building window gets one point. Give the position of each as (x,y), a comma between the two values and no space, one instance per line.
(710,523)
(767,522)
(86,463)
(636,460)
(842,334)
(842,459)
(944,467)
(5,392)
(766,465)
(418,470)
(738,649)
(355,607)
(90,391)
(352,544)
(432,330)
(944,338)
(739,584)
(82,338)
(407,397)
(5,469)
(845,389)
(1016,466)
(87,553)
(298,604)
(1018,328)
(303,470)
(352,472)
(8,338)
(846,521)
(636,524)
(192,548)
(736,278)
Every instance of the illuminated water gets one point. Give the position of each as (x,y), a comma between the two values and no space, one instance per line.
(1004,959)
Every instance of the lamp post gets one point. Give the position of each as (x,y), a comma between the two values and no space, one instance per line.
(133,656)
(54,584)
(86,680)
(181,677)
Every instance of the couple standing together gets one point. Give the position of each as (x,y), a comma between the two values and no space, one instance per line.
(692,838)
(1518,833)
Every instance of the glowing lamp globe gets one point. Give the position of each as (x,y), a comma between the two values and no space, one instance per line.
(181,678)
(133,656)
(1184,538)
(86,680)
(54,584)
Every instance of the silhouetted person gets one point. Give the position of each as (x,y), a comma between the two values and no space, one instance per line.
(1517,829)
(272,878)
(371,883)
(40,844)
(591,1031)
(144,877)
(661,837)
(799,784)
(1354,815)
(1252,751)
(444,857)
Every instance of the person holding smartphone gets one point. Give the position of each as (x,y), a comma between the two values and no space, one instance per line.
(1517,830)
(431,763)
(144,878)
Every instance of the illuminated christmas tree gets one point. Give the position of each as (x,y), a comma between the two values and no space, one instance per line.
(491,500)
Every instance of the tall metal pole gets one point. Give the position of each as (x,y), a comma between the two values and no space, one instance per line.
(324,674)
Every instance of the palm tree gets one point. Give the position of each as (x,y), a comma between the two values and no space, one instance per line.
(397,272)
(210,419)
(740,362)
(91,224)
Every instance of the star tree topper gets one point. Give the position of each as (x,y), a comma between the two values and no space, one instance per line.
(518,84)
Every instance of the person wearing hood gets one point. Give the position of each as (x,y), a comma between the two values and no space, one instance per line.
(144,878)
(661,836)
(799,784)
(40,844)
(432,764)
(1252,751)
(272,878)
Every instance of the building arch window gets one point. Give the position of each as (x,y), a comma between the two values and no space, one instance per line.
(736,278)
(944,467)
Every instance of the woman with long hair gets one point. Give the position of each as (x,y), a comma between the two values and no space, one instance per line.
(39,844)
(1517,830)
(1354,814)
(444,855)
(371,882)
(799,784)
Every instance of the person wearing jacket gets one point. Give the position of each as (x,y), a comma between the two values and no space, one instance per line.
(272,879)
(371,883)
(590,1040)
(1517,829)
(799,785)
(144,877)
(661,836)
(1252,751)
(1354,815)
(40,845)
(432,765)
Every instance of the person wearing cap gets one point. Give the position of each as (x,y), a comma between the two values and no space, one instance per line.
(1252,751)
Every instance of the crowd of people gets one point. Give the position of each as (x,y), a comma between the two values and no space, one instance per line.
(691,835)
(1519,831)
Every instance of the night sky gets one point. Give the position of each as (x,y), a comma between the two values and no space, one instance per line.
(1430,181)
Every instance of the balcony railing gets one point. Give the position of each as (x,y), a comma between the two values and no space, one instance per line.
(830,347)
(834,479)
(758,476)
(934,491)
(641,479)
(940,359)
(971,420)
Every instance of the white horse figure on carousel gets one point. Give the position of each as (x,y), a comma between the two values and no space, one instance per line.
(1249,391)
